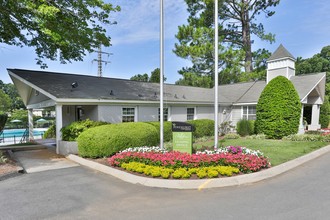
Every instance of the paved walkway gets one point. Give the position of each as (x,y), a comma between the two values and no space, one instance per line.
(42,160)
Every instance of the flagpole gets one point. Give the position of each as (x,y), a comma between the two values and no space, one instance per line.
(216,76)
(161,74)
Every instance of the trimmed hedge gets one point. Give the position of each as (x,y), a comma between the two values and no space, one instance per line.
(203,127)
(167,129)
(245,127)
(278,109)
(73,130)
(106,140)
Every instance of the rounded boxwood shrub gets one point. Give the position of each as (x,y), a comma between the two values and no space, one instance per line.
(106,140)
(167,129)
(73,130)
(203,127)
(278,109)
(245,127)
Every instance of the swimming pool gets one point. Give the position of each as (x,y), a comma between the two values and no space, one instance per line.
(18,133)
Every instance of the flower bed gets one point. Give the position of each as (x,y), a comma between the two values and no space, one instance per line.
(243,159)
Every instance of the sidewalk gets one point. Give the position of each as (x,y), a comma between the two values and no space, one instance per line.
(42,159)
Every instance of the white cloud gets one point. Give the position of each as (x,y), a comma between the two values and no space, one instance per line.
(138,20)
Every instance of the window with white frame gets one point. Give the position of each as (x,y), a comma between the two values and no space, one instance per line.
(128,115)
(165,114)
(190,114)
(249,112)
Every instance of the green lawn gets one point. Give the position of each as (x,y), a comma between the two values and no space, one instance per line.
(277,151)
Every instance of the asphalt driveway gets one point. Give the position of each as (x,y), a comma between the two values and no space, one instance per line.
(82,193)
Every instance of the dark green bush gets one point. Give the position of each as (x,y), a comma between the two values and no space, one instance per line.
(245,127)
(325,113)
(203,127)
(73,130)
(167,129)
(50,133)
(106,140)
(3,120)
(278,109)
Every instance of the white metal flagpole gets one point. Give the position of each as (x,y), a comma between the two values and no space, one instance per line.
(161,74)
(216,77)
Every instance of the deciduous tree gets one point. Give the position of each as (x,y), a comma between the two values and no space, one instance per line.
(57,29)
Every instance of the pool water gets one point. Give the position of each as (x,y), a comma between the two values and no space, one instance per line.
(18,133)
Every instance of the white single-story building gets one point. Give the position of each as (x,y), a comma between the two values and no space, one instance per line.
(77,97)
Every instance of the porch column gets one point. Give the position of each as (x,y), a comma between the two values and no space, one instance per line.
(301,129)
(315,118)
(59,124)
(30,121)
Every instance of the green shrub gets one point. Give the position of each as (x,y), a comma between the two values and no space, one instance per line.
(3,120)
(73,130)
(325,113)
(50,133)
(278,109)
(231,136)
(305,137)
(167,129)
(257,137)
(203,127)
(106,140)
(245,127)
(225,127)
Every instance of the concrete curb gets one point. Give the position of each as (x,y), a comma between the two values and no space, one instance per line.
(203,183)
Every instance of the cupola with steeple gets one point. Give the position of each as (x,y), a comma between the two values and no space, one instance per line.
(280,63)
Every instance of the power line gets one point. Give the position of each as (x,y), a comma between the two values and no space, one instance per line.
(100,61)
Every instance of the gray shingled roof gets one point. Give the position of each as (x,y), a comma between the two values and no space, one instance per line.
(281,52)
(91,87)
(305,83)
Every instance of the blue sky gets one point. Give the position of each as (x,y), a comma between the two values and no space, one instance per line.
(302,26)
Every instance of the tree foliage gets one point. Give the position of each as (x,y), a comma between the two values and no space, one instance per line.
(10,90)
(5,102)
(320,62)
(57,29)
(154,77)
(3,120)
(140,77)
(240,23)
(325,113)
(278,109)
(237,23)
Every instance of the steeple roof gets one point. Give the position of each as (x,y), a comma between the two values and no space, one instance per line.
(280,53)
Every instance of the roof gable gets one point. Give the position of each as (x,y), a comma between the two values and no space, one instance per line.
(280,53)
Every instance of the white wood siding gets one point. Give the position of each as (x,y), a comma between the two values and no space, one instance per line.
(205,112)
(236,114)
(179,113)
(148,113)
(110,114)
(68,114)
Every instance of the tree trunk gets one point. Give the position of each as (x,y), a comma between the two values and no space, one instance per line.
(246,34)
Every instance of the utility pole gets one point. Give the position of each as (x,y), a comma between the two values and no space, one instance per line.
(100,61)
